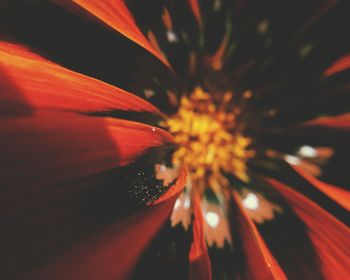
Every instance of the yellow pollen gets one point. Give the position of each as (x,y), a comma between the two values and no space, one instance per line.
(208,143)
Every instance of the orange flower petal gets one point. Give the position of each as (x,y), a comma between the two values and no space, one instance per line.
(116,14)
(49,148)
(337,122)
(330,237)
(32,81)
(195,9)
(112,253)
(200,266)
(341,196)
(261,264)
(176,189)
(339,66)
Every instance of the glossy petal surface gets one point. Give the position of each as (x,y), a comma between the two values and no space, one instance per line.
(30,80)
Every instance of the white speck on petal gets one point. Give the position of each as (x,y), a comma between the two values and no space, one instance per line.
(251,201)
(307,151)
(212,219)
(177,204)
(292,159)
(172,37)
(148,93)
(187,203)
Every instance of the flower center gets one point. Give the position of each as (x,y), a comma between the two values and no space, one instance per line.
(209,143)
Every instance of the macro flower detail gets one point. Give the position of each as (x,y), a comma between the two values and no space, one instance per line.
(206,139)
(174,139)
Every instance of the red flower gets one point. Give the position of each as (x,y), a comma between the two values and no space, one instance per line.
(226,180)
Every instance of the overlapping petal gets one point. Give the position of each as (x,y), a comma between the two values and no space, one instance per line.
(32,81)
(52,143)
(111,253)
(200,267)
(50,148)
(47,147)
(175,190)
(340,195)
(330,237)
(260,262)
(115,14)
(56,137)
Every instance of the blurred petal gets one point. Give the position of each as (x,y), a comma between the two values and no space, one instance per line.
(339,66)
(337,122)
(182,212)
(167,255)
(115,14)
(42,85)
(330,237)
(340,195)
(200,267)
(112,253)
(175,190)
(48,148)
(195,9)
(261,263)
(257,207)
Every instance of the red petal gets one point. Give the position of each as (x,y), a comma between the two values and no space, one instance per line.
(338,122)
(340,65)
(40,84)
(176,189)
(116,14)
(200,266)
(48,148)
(261,264)
(339,195)
(195,9)
(329,236)
(111,254)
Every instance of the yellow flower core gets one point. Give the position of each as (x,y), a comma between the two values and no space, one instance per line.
(209,144)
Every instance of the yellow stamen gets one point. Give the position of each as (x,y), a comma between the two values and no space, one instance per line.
(208,143)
